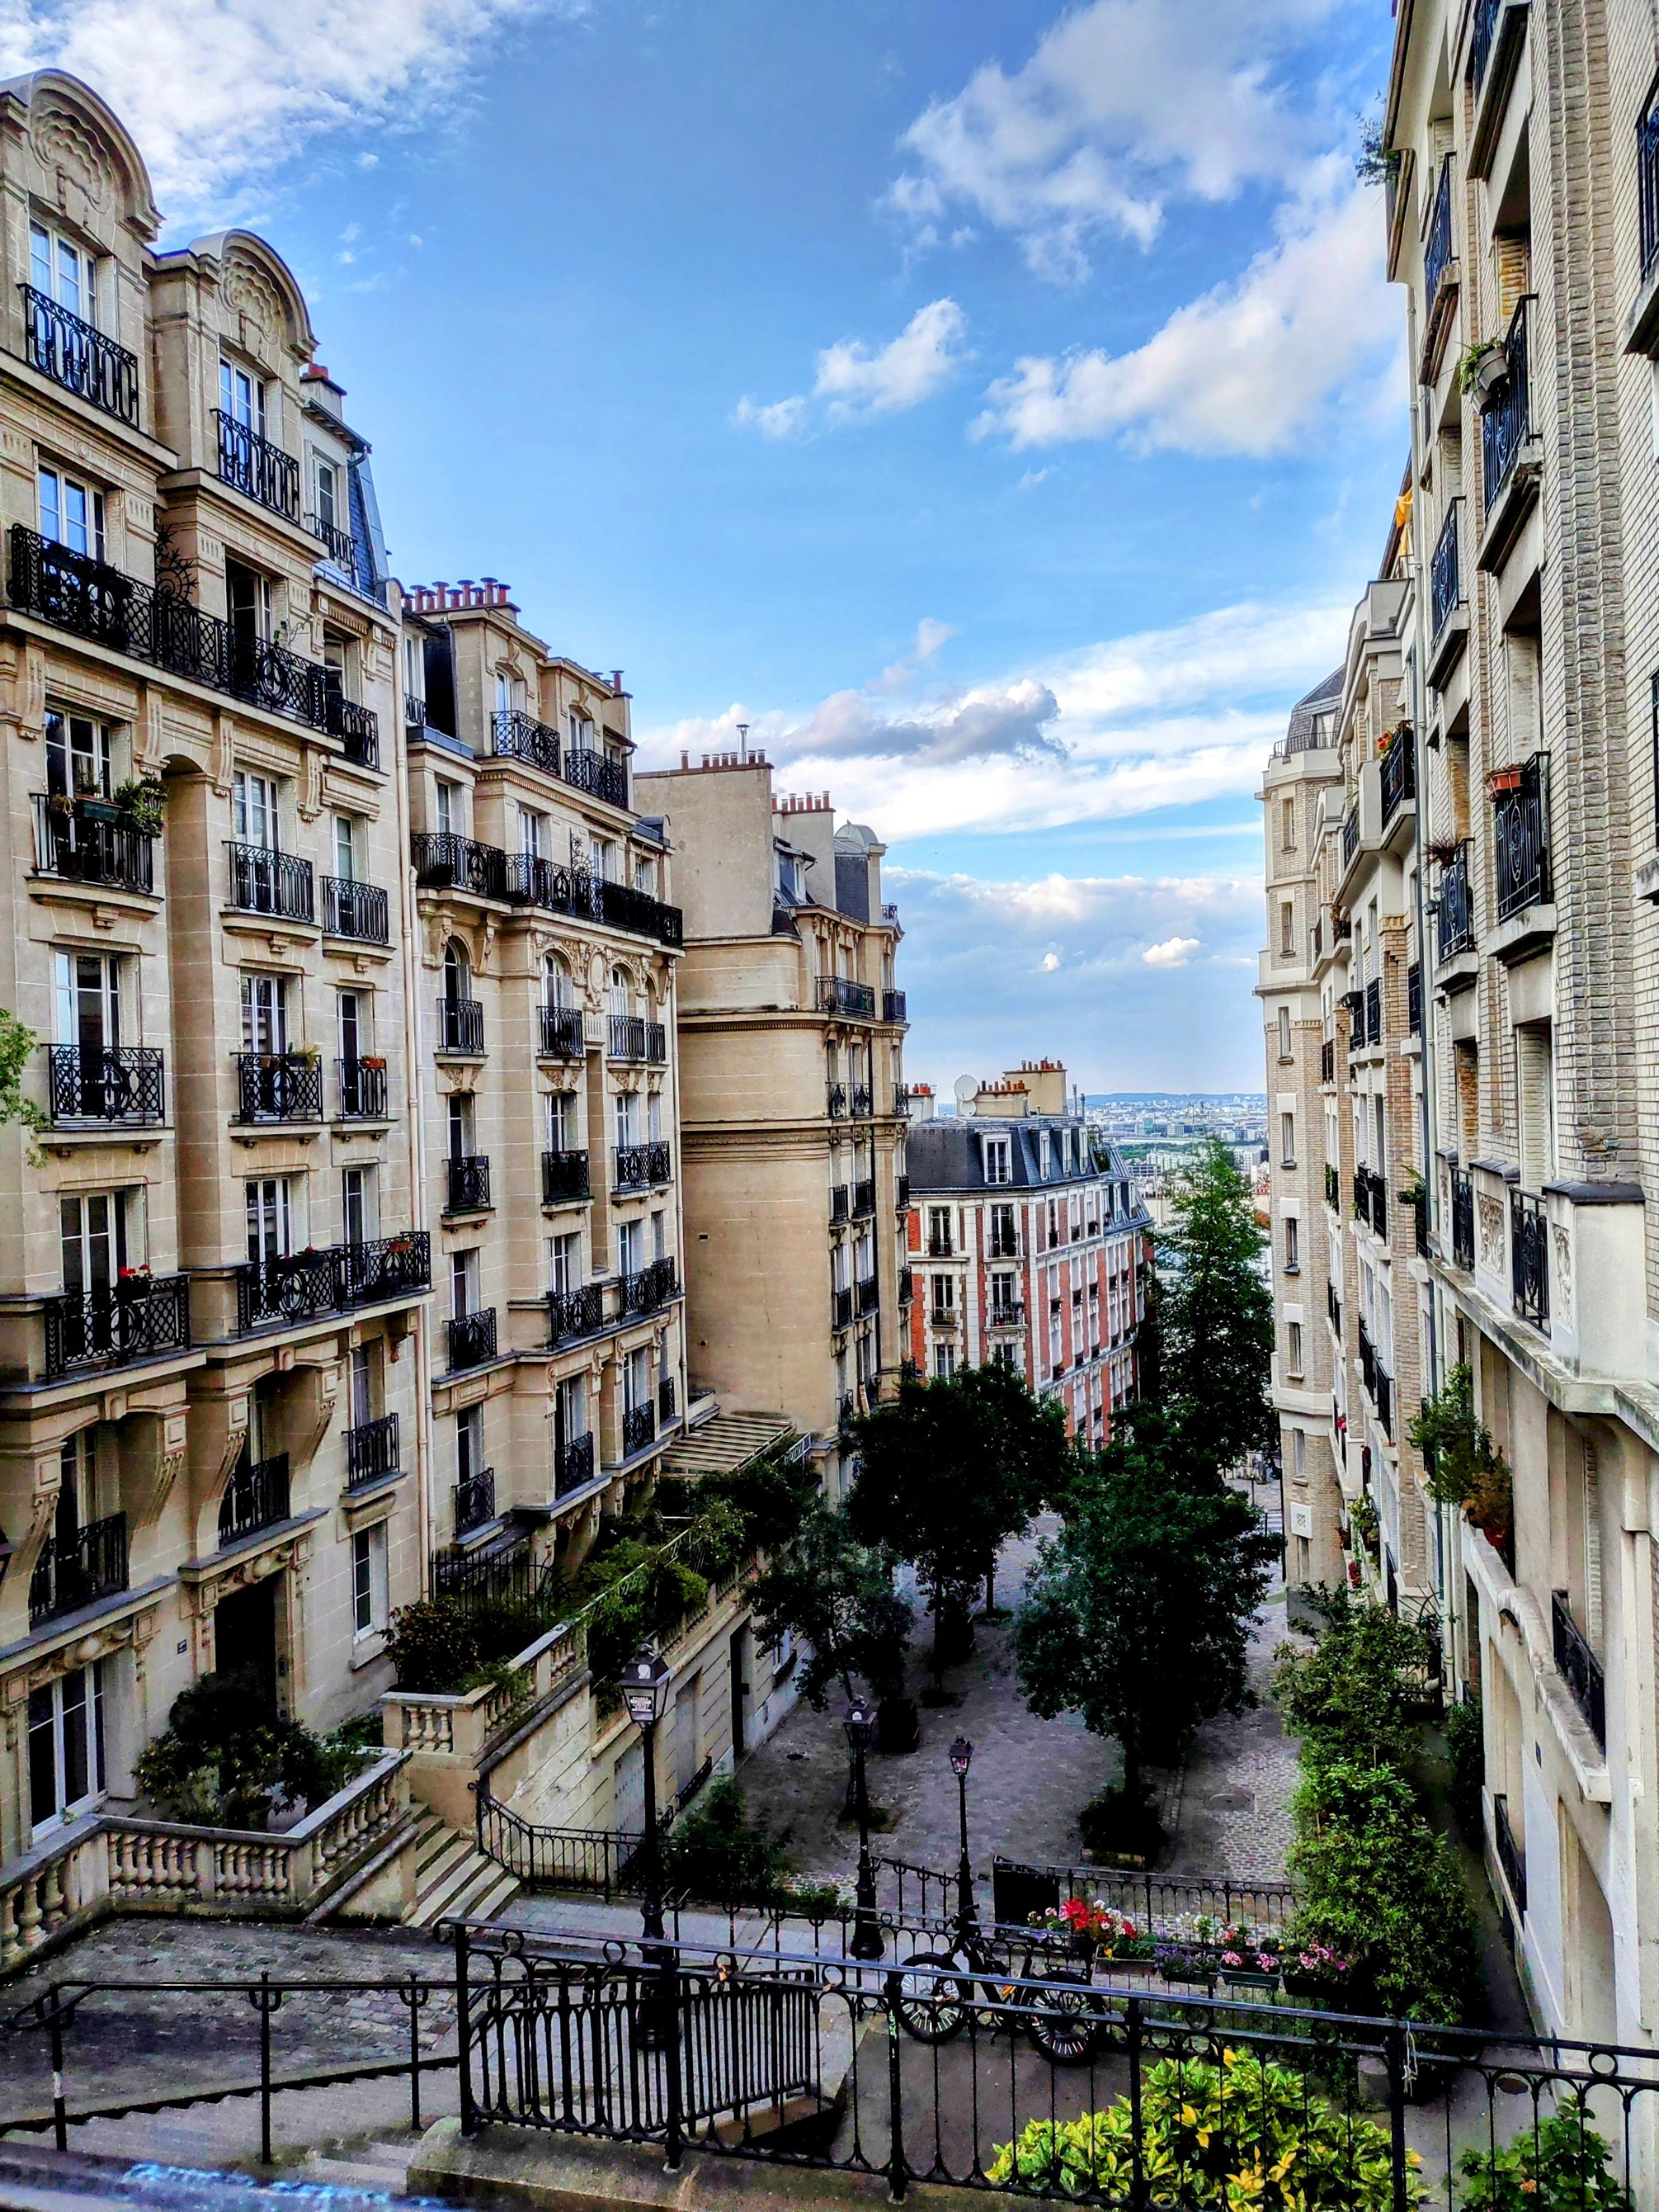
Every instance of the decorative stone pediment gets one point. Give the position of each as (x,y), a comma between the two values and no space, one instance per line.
(70,152)
(257,305)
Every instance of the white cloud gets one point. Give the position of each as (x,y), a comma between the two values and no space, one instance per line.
(1050,963)
(1173,952)
(931,638)
(855,383)
(218,92)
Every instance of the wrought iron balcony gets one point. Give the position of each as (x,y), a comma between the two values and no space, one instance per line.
(1333,1308)
(121,1084)
(564,1178)
(357,727)
(839,994)
(863,1200)
(575,1313)
(598,774)
(1529,1259)
(1379,1189)
(651,1287)
(625,907)
(446,862)
(91,1564)
(1509,1854)
(892,1006)
(74,592)
(638,1428)
(841,1308)
(1416,1203)
(297,1287)
(1374,1011)
(640,1167)
(1437,246)
(467,1189)
(266,882)
(138,1317)
(88,842)
(901,1098)
(839,1209)
(1445,570)
(1456,931)
(1579,1668)
(1397,773)
(1647,177)
(862,1101)
(836,1101)
(573,1466)
(1007,1313)
(460,1027)
(902,1194)
(514,735)
(1521,839)
(869,1293)
(667,1406)
(362,1090)
(258,469)
(256,1497)
(1415,999)
(563,1035)
(278,1086)
(339,544)
(1462,1214)
(355,909)
(381,1267)
(1383,1391)
(1350,835)
(530,879)
(371,1451)
(1005,1241)
(1367,1360)
(630,1036)
(82,359)
(470,1338)
(1506,416)
(475,1500)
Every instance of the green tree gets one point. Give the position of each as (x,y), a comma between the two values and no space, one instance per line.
(1355,1696)
(1215,1322)
(17,1043)
(1137,1613)
(836,1596)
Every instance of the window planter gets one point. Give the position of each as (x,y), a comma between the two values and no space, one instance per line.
(1502,780)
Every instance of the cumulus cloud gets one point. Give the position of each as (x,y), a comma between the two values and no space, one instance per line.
(855,382)
(1173,952)
(1008,720)
(931,638)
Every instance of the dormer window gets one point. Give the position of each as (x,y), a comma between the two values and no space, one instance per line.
(241,399)
(997,1160)
(1043,1163)
(63,272)
(789,877)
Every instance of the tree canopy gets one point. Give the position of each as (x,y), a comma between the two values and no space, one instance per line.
(837,1595)
(1215,1321)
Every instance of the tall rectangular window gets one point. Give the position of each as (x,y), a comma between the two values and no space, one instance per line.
(65,272)
(368,1580)
(71,514)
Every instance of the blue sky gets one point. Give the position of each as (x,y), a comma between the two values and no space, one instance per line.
(998,407)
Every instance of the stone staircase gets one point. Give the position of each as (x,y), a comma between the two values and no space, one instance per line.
(453,1877)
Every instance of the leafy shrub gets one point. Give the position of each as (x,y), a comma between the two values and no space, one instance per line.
(1352,1697)
(1466,1741)
(1465,1468)
(717,1852)
(1560,2166)
(1235,2133)
(215,1765)
(439,1645)
(650,1609)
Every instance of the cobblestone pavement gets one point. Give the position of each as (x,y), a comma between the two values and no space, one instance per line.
(1235,1799)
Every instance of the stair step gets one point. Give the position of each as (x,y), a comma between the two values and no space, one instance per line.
(457,1852)
(358,2172)
(443,1898)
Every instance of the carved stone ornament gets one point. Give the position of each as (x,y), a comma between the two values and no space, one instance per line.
(168,1444)
(1492,1230)
(98,1642)
(1561,1274)
(69,151)
(254,300)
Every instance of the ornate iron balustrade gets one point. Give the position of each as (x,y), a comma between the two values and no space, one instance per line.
(358,729)
(1647,176)
(893,1007)
(266,882)
(836,1101)
(575,1313)
(95,601)
(88,842)
(1445,570)
(667,1407)
(1520,840)
(460,1027)
(869,1293)
(1379,1192)
(137,1317)
(371,1451)
(1397,773)
(1462,1214)
(630,1036)
(1508,1852)
(572,1465)
(1455,931)
(1579,1668)
(564,1178)
(296,1287)
(598,774)
(901,1098)
(1350,835)
(1486,13)
(530,879)
(363,1090)
(625,907)
(841,1308)
(1437,246)
(256,1497)
(1367,1360)
(640,1167)
(118,1084)
(563,1034)
(446,862)
(1529,1259)
(278,1086)
(1383,1391)
(91,1564)
(470,1338)
(840,1211)
(862,1101)
(82,359)
(839,994)
(514,735)
(650,1287)
(255,467)
(1416,1203)
(1415,999)
(467,1189)
(638,1428)
(1506,417)
(1362,1196)
(355,909)
(863,1200)
(1374,1011)
(475,1500)
(339,544)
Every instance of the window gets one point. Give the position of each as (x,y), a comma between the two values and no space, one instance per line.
(636,1379)
(357,1221)
(459,1110)
(561,1123)
(1003,1245)
(329,506)
(64,272)
(659,1236)
(1042,1155)
(89,995)
(556,982)
(1293,1345)
(1287,1140)
(630,1240)
(353,1007)
(255,815)
(625,1113)
(264,1013)
(1293,1246)
(1002,1294)
(565,1263)
(532,833)
(945,1361)
(939,1229)
(457,975)
(347,837)
(469,1444)
(93,1235)
(1286,931)
(570,1411)
(463,1282)
(242,398)
(1287,825)
(1285,1033)
(997,1168)
(71,514)
(66,1746)
(368,1580)
(364,1381)
(452,816)
(270,1218)
(248,603)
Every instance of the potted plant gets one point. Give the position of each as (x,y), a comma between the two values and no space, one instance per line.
(1502,780)
(1483,368)
(1317,1975)
(310,1053)
(143,800)
(1442,850)
(372,1059)
(1250,1960)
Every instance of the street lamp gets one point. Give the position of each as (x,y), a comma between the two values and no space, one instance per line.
(645,1692)
(962,1758)
(860,1727)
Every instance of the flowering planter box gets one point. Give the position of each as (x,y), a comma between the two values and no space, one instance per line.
(1502,780)
(1247,1978)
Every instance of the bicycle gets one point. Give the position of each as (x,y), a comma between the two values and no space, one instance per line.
(975,1980)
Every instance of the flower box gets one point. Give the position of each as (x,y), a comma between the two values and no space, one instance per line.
(1503,780)
(1249,1977)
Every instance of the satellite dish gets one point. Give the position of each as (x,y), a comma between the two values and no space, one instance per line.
(967,1090)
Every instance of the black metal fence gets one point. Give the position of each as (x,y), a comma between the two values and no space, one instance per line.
(138,1317)
(1445,576)
(1506,419)
(119,1083)
(1529,1259)
(76,1570)
(1521,838)
(79,358)
(1455,898)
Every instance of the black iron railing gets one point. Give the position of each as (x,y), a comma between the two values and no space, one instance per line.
(88,842)
(138,1317)
(1445,570)
(79,1570)
(1007,1313)
(1521,839)
(1374,1011)
(1579,1668)
(1397,774)
(1367,1361)
(82,359)
(907,1286)
(1462,1214)
(1379,1191)
(467,1183)
(1350,835)
(460,1026)
(256,1497)
(337,544)
(530,879)
(839,994)
(863,1200)
(357,727)
(1415,999)
(630,1036)
(475,1500)
(119,1083)
(355,909)
(1437,246)
(446,862)
(362,1090)
(1647,177)
(514,735)
(572,1465)
(598,774)
(841,1308)
(296,1287)
(862,1101)
(1455,930)
(575,1313)
(278,1086)
(893,1007)
(371,1450)
(625,907)
(1486,13)
(1506,417)
(1529,1259)
(266,882)
(638,1428)
(470,1338)
(639,1167)
(1509,1854)
(1333,1186)
(869,1293)
(258,469)
(839,1209)
(1416,1203)
(650,1287)
(901,1098)
(563,1036)
(1383,1391)
(564,1178)
(835,1101)
(666,1404)
(902,1194)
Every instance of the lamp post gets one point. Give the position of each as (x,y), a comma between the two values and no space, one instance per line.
(860,1727)
(962,1758)
(645,1692)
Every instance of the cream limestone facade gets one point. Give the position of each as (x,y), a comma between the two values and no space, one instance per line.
(792,1037)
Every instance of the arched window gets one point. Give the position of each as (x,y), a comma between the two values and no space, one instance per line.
(556,982)
(622,992)
(458,973)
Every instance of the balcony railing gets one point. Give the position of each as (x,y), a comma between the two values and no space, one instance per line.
(460,1026)
(138,1317)
(1398,773)
(1328,1061)
(841,1307)
(575,1313)
(1437,246)
(839,994)
(82,359)
(630,1036)
(91,1564)
(1415,999)
(95,601)
(863,1200)
(1647,177)
(446,862)
(516,735)
(573,1466)
(266,882)
(1462,1215)
(640,1167)
(836,1101)
(1350,835)
(892,1006)
(355,909)
(598,774)
(363,1090)
(1383,1391)
(119,1084)
(475,1500)
(1416,1203)
(357,727)
(862,1101)
(296,1287)
(1374,1011)
(624,907)
(338,545)
(467,1189)
(901,1098)
(563,1035)
(1506,418)
(278,1086)
(902,1194)
(1520,840)
(470,1338)
(564,1178)
(638,1428)
(646,1289)
(1529,1259)
(1333,1186)
(840,1209)
(256,1497)
(1367,1361)
(869,1293)
(1333,1308)
(1456,931)
(1579,1668)
(1486,13)
(77,840)
(1445,570)
(1379,1189)
(256,468)
(907,1286)
(666,1403)
(531,879)
(371,1450)
(1007,1313)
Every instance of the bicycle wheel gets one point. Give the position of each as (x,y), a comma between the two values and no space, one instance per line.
(1066,2022)
(933,2007)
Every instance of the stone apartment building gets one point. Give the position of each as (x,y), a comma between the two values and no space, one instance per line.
(1027,1246)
